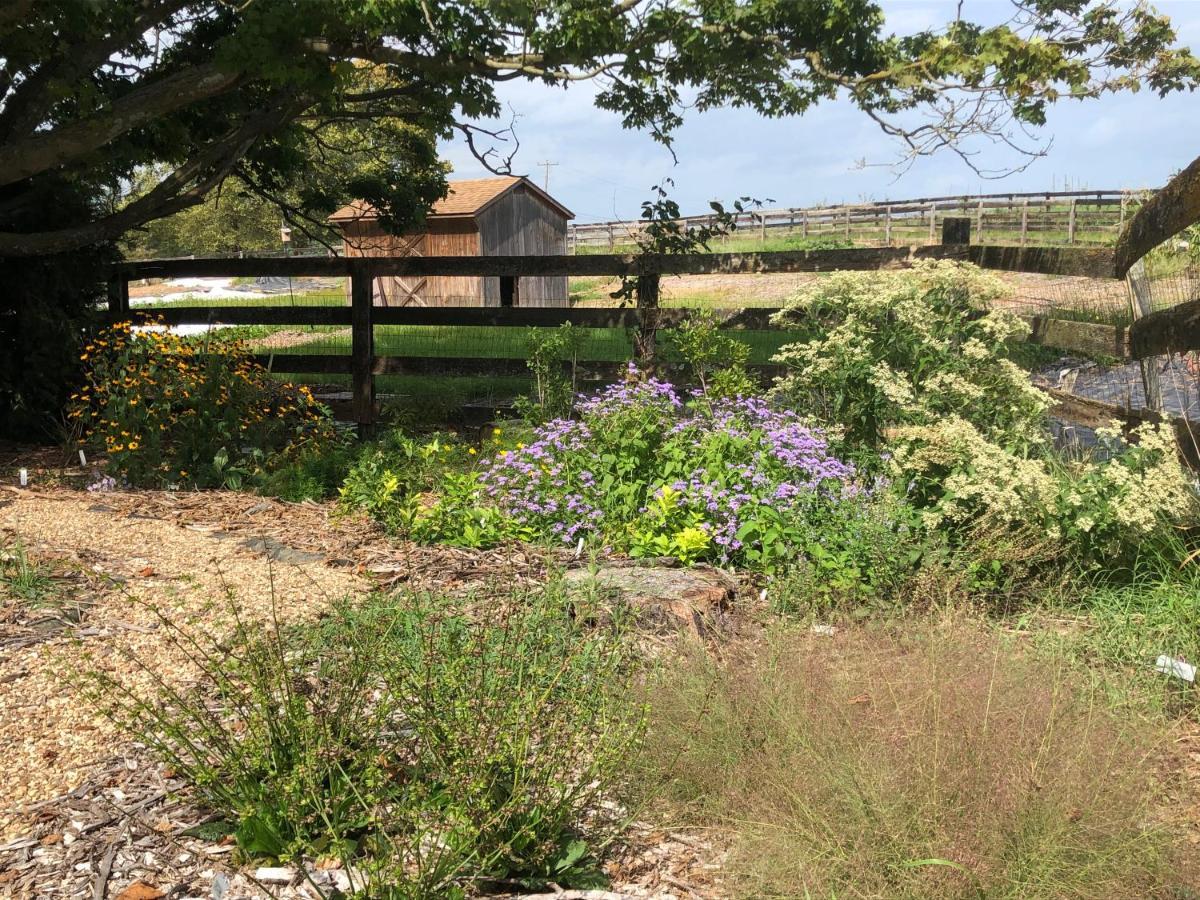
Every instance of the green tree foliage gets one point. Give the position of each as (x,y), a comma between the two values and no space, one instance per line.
(92,94)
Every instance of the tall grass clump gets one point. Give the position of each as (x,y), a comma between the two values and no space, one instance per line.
(937,765)
(431,744)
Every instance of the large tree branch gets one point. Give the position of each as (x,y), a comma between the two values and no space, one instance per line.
(185,187)
(317,229)
(29,104)
(1164,215)
(50,149)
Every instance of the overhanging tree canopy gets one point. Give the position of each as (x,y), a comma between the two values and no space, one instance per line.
(92,92)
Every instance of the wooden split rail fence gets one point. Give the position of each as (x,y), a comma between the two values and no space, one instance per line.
(1048,217)
(1146,337)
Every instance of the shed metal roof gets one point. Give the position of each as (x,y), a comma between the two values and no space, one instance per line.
(466,199)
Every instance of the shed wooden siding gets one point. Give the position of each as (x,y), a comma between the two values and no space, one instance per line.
(519,224)
(504,216)
(445,237)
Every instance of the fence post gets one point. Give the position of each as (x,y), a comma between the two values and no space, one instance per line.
(979,220)
(612,241)
(647,304)
(1139,306)
(804,223)
(847,223)
(762,228)
(887,226)
(932,219)
(1071,223)
(1024,221)
(791,221)
(118,294)
(362,347)
(956,230)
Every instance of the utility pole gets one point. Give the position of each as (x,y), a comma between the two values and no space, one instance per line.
(547,165)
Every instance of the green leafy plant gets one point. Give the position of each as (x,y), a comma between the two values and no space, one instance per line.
(312,473)
(714,360)
(428,743)
(550,352)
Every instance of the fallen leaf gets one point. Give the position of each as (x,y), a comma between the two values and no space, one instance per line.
(51,839)
(140,890)
(147,572)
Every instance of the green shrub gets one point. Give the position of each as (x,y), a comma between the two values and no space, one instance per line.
(427,491)
(312,473)
(426,742)
(884,349)
(855,555)
(714,360)
(549,353)
(167,410)
(944,764)
(1110,513)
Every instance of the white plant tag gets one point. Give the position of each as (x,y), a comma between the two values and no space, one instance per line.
(1177,668)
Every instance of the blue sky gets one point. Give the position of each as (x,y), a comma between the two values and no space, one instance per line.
(604,172)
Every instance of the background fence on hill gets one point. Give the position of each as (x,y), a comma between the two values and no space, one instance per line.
(1053,217)
(1121,356)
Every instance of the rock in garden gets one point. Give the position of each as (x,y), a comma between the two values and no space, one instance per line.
(661,598)
(273,875)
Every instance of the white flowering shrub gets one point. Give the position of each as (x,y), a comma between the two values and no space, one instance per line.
(1103,512)
(888,349)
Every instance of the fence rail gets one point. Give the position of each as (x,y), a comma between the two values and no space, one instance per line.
(1086,262)
(1047,217)
(1148,336)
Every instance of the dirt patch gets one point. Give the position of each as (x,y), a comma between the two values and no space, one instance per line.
(281,340)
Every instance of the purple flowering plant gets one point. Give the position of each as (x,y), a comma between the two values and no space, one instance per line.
(644,470)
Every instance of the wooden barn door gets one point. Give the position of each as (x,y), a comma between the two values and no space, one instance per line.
(407,291)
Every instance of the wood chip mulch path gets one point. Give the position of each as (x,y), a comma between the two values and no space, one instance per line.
(87,814)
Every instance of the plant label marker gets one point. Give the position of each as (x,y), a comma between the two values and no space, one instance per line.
(82,457)
(23,476)
(1177,668)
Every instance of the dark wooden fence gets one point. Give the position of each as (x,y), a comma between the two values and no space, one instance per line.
(362,364)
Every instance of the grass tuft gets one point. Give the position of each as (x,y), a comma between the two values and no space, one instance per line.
(936,764)
(431,744)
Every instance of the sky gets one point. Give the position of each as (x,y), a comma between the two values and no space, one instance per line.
(604,172)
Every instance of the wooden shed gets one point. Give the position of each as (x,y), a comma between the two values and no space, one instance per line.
(505,216)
